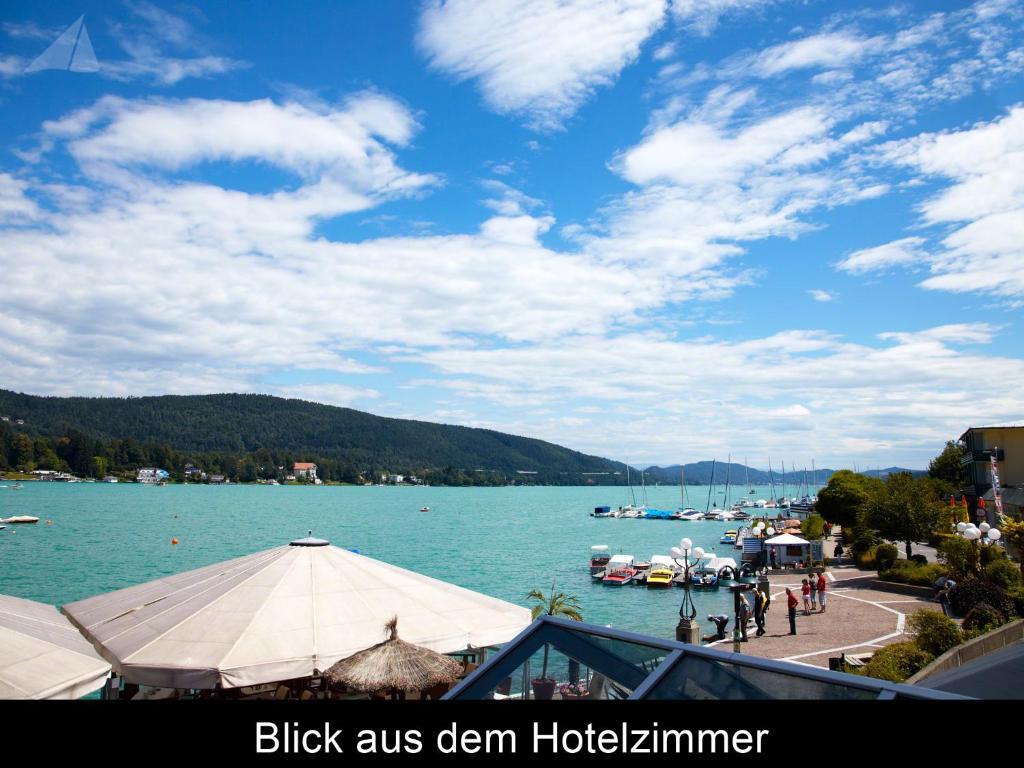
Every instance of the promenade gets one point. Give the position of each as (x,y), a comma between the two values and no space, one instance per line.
(859,619)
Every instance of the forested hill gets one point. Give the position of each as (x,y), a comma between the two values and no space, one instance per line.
(246,425)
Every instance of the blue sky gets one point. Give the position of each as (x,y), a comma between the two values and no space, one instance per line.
(657,231)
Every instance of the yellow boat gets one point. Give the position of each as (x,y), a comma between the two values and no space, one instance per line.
(661,573)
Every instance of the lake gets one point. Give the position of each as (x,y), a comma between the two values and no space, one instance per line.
(500,541)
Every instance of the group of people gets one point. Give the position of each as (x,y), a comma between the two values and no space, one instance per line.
(814,592)
(761,599)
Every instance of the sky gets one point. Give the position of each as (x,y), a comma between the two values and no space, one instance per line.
(653,230)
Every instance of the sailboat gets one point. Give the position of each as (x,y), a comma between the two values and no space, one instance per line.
(685,512)
(631,509)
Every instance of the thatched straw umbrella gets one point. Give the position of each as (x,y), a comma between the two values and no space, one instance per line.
(394,665)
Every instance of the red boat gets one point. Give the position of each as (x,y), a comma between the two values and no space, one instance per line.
(620,571)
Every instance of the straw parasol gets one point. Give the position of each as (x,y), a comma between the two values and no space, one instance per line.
(394,665)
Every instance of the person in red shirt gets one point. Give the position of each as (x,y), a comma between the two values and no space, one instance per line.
(821,590)
(792,602)
(805,590)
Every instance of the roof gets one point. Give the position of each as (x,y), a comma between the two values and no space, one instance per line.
(627,665)
(996,675)
(1008,425)
(784,540)
(43,655)
(303,465)
(281,614)
(662,560)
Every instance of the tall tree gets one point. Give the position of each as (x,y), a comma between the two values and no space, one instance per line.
(947,467)
(844,497)
(903,510)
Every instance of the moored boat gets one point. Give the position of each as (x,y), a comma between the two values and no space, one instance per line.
(599,559)
(19,519)
(662,572)
(602,512)
(620,571)
(729,537)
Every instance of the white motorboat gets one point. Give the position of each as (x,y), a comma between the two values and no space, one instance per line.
(19,519)
(424,509)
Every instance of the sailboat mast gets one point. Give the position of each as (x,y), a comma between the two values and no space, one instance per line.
(728,476)
(771,478)
(682,486)
(629,482)
(711,488)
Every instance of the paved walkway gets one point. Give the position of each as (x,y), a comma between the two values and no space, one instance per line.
(858,619)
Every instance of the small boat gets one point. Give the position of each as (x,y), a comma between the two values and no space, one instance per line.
(729,537)
(599,560)
(620,571)
(689,514)
(602,512)
(704,577)
(16,487)
(424,509)
(662,572)
(19,519)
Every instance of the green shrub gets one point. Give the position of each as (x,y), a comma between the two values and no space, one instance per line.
(1016,598)
(909,572)
(960,556)
(967,594)
(813,527)
(866,559)
(934,632)
(919,559)
(984,617)
(885,556)
(860,540)
(1003,574)
(897,662)
(992,554)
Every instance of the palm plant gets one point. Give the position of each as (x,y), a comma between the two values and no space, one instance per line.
(554,604)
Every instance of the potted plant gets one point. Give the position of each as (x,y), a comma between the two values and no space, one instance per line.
(555,604)
(577,690)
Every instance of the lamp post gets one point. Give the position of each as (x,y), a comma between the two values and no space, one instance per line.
(738,581)
(686,630)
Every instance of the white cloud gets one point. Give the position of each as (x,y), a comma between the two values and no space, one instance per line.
(811,394)
(15,205)
(825,51)
(898,253)
(985,204)
(703,16)
(537,58)
(821,295)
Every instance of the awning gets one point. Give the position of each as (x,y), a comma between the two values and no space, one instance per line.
(43,656)
(281,614)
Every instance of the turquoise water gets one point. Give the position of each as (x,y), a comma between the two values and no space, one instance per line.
(500,541)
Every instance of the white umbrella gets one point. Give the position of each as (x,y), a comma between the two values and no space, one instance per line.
(43,656)
(281,614)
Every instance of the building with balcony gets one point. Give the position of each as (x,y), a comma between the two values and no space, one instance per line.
(1003,445)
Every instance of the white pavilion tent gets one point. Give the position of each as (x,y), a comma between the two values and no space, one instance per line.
(789,548)
(43,656)
(281,614)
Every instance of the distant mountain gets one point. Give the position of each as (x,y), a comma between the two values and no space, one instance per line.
(699,473)
(244,425)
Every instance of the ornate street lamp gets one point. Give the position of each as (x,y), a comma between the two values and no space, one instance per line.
(737,582)
(686,630)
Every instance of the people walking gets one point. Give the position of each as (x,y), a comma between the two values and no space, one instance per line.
(761,601)
(822,587)
(791,603)
(813,582)
(805,591)
(743,617)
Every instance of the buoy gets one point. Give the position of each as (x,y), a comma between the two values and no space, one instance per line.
(49,522)
(174,541)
